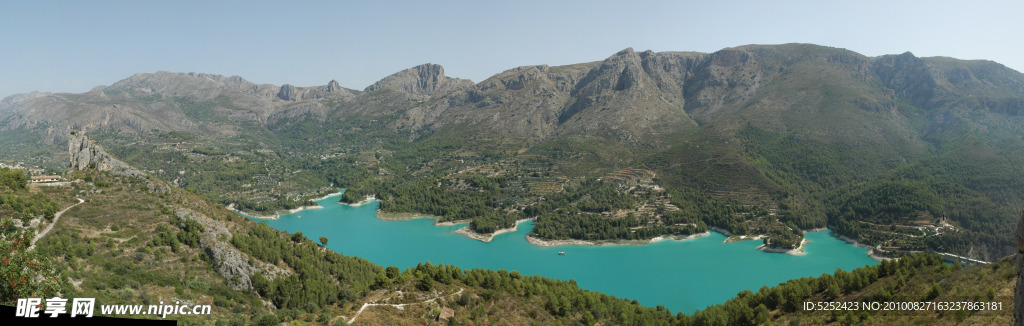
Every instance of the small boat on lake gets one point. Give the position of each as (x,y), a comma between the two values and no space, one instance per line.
(561,253)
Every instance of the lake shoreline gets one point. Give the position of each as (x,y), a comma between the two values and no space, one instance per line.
(576,242)
(871,250)
(277,215)
(387,216)
(365,201)
(487,237)
(799,251)
(392,217)
(328,196)
(360,232)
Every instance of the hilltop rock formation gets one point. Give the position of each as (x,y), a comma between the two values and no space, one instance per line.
(86,153)
(287,93)
(228,260)
(333,86)
(331,91)
(424,80)
(628,96)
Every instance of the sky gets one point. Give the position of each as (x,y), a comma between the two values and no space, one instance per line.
(73,46)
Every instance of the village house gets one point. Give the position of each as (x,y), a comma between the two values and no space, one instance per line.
(45,178)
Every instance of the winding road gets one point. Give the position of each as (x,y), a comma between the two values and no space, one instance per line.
(50,227)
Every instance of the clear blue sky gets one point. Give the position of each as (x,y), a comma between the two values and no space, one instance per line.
(72,46)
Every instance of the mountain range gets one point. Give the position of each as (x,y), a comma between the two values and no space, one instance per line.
(756,139)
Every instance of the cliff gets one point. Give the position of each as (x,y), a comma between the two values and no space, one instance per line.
(87,154)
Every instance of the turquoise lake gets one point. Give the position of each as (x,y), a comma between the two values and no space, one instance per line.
(681,275)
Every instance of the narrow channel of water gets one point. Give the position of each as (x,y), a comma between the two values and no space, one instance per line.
(681,275)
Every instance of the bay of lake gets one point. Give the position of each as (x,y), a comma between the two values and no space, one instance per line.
(681,275)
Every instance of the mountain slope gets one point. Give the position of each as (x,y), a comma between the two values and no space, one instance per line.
(764,139)
(136,239)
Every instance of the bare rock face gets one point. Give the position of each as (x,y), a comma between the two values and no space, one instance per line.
(230,263)
(288,93)
(332,90)
(333,86)
(1018,294)
(86,153)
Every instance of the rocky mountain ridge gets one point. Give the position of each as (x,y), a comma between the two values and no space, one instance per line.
(775,125)
(631,95)
(423,80)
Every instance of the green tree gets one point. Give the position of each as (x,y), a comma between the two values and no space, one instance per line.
(426,283)
(761,314)
(381,281)
(392,272)
(323,241)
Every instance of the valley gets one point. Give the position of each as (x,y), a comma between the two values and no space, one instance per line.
(905,155)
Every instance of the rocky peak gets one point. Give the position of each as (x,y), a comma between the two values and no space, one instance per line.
(288,93)
(426,79)
(906,74)
(622,71)
(625,52)
(333,86)
(332,90)
(87,154)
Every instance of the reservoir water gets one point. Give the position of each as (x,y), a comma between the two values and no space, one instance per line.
(681,275)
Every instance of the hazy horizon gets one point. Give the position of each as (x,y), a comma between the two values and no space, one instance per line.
(73,47)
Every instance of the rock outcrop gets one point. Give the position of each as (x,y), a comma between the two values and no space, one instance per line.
(230,263)
(333,86)
(332,90)
(87,154)
(288,93)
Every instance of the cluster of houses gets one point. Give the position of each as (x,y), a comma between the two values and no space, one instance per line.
(16,166)
(34,171)
(941,227)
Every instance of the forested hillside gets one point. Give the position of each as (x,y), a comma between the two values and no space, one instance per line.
(134,239)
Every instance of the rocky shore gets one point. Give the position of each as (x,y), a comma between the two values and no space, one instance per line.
(799,251)
(365,201)
(487,237)
(276,215)
(871,250)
